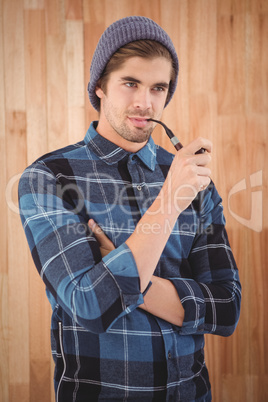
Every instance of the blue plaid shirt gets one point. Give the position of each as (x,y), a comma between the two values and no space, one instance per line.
(104,346)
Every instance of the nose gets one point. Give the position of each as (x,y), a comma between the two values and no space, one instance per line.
(143,99)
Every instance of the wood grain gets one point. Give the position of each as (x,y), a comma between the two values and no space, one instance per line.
(35,79)
(4,332)
(46,48)
(18,273)
(75,82)
(73,10)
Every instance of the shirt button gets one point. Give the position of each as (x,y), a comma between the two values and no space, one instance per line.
(169,355)
(139,187)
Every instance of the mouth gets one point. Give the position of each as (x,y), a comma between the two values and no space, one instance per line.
(139,122)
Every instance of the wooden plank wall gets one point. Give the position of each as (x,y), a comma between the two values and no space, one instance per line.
(45,52)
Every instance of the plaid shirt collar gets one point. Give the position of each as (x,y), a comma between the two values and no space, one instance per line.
(110,153)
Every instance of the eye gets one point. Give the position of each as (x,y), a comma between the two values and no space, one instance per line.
(130,84)
(159,89)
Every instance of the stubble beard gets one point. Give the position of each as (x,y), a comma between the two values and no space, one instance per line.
(137,134)
(118,122)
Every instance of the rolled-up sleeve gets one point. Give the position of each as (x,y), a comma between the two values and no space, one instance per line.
(93,291)
(212,296)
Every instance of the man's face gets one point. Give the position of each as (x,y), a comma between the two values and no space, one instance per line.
(134,93)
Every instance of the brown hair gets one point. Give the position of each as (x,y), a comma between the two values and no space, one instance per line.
(147,49)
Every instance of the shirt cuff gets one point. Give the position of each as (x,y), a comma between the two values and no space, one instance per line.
(122,266)
(194,305)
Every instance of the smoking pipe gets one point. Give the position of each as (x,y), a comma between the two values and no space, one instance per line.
(174,140)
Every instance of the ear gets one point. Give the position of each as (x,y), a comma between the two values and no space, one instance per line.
(99,92)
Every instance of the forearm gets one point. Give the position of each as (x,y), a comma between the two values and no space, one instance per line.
(162,301)
(149,239)
(187,175)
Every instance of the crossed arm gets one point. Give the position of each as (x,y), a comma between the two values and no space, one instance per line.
(188,173)
(162,299)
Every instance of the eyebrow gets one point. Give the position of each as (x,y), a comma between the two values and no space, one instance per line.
(132,79)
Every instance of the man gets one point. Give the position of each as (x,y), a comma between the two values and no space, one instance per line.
(131,302)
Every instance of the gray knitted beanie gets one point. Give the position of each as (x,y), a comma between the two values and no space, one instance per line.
(120,33)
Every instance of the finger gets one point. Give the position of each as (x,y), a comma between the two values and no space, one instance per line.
(204,184)
(203,171)
(197,144)
(101,237)
(198,160)
(96,229)
(201,159)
